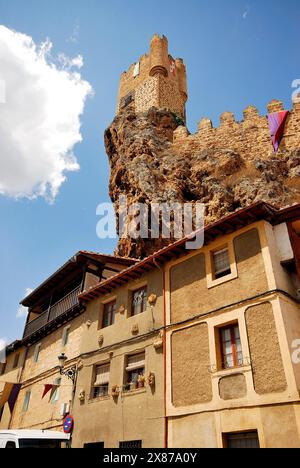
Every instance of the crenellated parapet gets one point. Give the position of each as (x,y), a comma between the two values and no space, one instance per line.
(250,137)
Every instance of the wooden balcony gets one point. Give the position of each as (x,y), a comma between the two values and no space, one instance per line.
(64,305)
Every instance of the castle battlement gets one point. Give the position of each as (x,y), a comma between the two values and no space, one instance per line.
(249,137)
(156,80)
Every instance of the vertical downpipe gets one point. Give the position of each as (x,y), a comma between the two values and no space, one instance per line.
(161,268)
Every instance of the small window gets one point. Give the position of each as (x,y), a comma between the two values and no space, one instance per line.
(65,336)
(221,263)
(135,372)
(101,382)
(136,70)
(131,444)
(36,354)
(2,368)
(128,100)
(139,301)
(94,445)
(26,401)
(231,349)
(242,440)
(109,314)
(16,361)
(56,394)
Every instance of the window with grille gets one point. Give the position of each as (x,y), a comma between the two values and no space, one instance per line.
(109,314)
(101,382)
(221,263)
(139,301)
(242,440)
(135,371)
(231,348)
(131,444)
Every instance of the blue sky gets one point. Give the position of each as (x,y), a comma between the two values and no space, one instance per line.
(237,53)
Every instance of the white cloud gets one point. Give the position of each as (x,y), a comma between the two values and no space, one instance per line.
(40,119)
(2,350)
(23,311)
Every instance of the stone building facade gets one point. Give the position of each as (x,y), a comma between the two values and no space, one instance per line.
(154,364)
(207,399)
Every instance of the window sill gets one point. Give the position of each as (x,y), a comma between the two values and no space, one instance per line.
(98,399)
(212,283)
(232,371)
(136,391)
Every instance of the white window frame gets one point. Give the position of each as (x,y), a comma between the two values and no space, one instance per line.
(212,281)
(219,252)
(26,401)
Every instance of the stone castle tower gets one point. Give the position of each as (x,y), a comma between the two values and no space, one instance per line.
(156,80)
(154,158)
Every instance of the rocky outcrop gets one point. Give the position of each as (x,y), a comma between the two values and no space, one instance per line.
(153,158)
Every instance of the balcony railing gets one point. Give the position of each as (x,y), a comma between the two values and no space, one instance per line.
(56,310)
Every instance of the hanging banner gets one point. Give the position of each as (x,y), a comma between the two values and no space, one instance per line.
(9,395)
(277,122)
(14,396)
(172,66)
(5,394)
(47,389)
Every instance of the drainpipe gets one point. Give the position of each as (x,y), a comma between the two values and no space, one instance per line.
(161,268)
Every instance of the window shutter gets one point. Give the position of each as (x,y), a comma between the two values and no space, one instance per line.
(102,375)
(135,362)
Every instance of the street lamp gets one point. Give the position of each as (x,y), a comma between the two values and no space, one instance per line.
(71,372)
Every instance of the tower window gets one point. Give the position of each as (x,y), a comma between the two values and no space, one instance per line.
(128,100)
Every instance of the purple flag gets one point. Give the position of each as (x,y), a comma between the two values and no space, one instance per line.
(13,396)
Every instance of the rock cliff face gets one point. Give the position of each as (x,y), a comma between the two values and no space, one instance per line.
(153,158)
